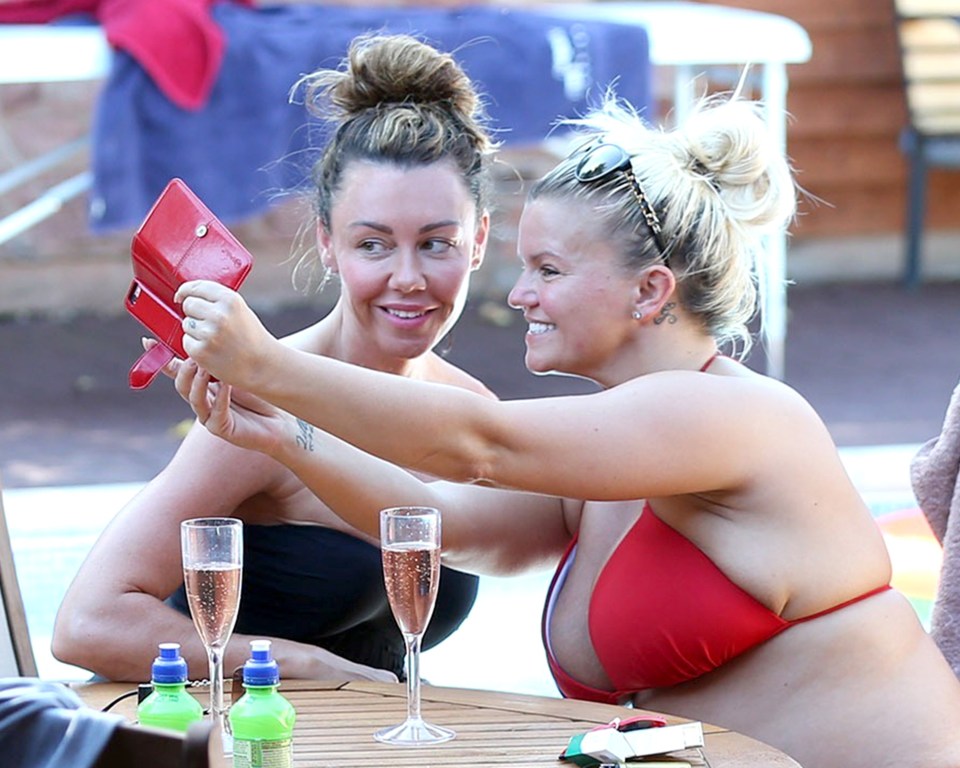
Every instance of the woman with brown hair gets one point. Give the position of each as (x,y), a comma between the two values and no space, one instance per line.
(401,198)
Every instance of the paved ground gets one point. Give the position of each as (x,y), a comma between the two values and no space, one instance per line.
(876,361)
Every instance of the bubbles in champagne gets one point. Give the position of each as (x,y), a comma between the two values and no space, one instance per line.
(213,594)
(411,573)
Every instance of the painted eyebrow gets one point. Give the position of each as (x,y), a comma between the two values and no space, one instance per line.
(439,225)
(536,258)
(389,230)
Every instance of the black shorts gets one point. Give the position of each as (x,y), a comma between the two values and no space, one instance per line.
(324,587)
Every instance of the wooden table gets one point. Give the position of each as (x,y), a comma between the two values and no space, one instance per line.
(335,725)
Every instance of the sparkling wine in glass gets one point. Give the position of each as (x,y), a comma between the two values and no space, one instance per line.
(410,544)
(212,550)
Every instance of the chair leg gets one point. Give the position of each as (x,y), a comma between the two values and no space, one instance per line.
(916,209)
(202,748)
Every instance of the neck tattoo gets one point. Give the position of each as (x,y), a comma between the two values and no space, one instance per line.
(666,314)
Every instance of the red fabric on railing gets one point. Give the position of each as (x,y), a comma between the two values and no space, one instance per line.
(177,42)
(42,11)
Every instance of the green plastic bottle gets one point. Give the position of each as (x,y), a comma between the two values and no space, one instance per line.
(262,719)
(169,705)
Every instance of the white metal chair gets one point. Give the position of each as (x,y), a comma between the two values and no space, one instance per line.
(16,652)
(48,53)
(929,35)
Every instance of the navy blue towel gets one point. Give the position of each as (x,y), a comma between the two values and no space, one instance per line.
(248,145)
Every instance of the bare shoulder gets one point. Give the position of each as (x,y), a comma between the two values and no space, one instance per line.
(311,338)
(772,405)
(729,405)
(728,383)
(769,414)
(441,371)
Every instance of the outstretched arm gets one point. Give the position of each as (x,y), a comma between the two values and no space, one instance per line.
(484,530)
(656,435)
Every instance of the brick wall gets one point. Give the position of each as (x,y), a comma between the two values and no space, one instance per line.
(847,106)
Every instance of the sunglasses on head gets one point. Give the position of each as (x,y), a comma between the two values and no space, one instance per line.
(602,161)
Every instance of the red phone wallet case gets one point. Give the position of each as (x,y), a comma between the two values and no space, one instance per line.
(179,240)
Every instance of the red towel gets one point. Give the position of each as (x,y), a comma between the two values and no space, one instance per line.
(176,41)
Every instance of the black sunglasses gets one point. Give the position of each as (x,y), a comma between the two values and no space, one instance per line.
(601,161)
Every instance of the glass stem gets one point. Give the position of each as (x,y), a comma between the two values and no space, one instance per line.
(413,676)
(216,688)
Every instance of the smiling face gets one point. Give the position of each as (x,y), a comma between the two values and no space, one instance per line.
(403,241)
(575,296)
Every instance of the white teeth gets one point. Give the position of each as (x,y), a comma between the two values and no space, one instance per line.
(405,315)
(538,328)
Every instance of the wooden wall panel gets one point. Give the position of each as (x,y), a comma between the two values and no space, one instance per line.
(864,55)
(853,15)
(851,211)
(821,13)
(847,111)
(868,162)
(874,209)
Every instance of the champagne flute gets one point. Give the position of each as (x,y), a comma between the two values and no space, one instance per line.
(410,544)
(212,550)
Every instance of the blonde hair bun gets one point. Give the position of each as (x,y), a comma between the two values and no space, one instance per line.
(730,145)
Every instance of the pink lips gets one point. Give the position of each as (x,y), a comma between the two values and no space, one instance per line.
(407,317)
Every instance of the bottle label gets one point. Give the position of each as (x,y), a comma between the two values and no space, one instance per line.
(249,753)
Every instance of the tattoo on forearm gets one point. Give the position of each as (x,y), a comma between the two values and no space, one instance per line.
(666,314)
(305,438)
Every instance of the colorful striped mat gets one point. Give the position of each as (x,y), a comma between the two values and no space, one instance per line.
(916,556)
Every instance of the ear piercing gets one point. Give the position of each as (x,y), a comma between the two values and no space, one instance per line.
(637,315)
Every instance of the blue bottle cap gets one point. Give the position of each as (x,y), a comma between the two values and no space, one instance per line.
(260,668)
(169,667)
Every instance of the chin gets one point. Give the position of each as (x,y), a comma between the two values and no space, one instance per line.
(408,350)
(542,368)
(533,366)
(539,367)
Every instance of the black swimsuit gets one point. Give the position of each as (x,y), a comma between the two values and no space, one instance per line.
(324,587)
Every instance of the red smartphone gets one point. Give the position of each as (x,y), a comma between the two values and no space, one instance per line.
(159,317)
(179,240)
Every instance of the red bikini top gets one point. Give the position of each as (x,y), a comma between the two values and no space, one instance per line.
(662,613)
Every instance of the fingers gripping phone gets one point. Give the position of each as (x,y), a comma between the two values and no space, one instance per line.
(179,240)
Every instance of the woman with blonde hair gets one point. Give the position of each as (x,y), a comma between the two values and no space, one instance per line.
(714,559)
